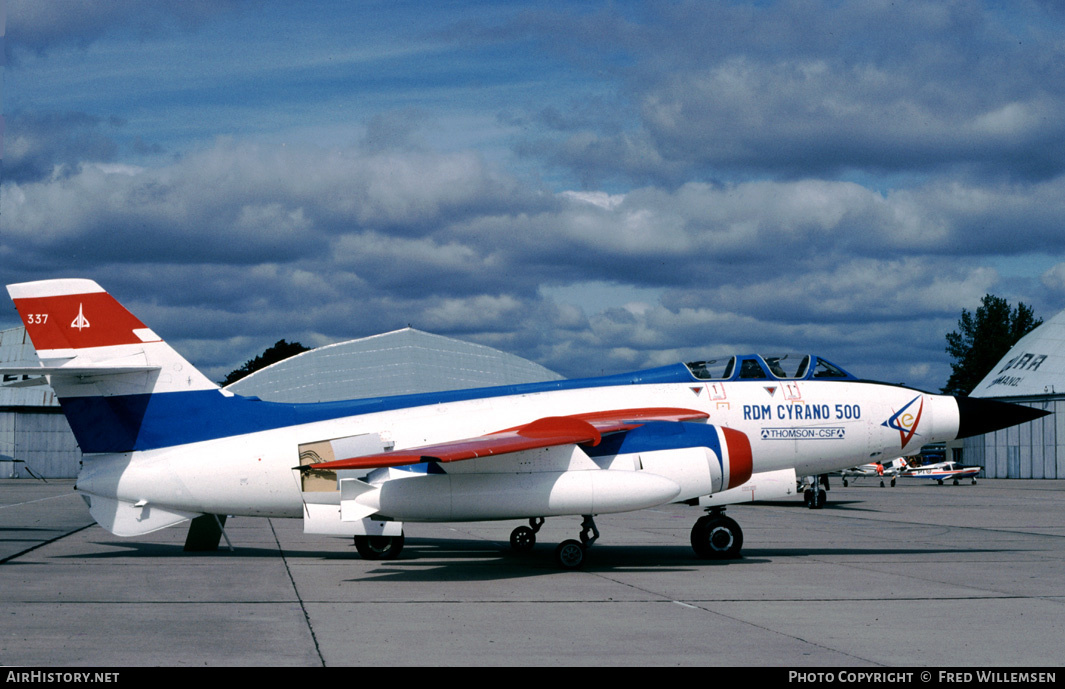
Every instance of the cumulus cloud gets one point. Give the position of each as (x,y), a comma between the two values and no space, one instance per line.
(41,145)
(754,177)
(816,88)
(40,26)
(330,244)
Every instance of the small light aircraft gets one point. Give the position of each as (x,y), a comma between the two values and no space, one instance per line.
(942,471)
(163,444)
(874,470)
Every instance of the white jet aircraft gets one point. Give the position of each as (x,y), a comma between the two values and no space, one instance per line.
(163,444)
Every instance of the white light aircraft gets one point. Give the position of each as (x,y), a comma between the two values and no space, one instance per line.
(942,471)
(875,470)
(163,444)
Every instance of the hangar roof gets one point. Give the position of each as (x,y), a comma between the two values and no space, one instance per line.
(1033,367)
(396,363)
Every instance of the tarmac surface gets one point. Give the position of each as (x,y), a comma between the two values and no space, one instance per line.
(917,575)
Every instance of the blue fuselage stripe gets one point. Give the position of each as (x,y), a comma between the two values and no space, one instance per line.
(127,423)
(659,435)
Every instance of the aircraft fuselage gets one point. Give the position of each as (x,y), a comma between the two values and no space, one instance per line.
(813,426)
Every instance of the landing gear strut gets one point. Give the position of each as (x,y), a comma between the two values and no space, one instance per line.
(814,497)
(717,537)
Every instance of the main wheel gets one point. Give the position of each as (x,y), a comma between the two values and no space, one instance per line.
(522,539)
(717,538)
(379,547)
(569,554)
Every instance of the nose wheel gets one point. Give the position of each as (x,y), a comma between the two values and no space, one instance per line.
(523,538)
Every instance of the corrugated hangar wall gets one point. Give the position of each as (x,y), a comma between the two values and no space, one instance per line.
(1031,373)
(1032,450)
(41,441)
(33,429)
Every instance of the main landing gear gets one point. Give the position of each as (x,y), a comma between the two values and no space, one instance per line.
(379,547)
(714,537)
(717,537)
(569,554)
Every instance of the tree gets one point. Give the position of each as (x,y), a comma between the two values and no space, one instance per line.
(983,338)
(280,351)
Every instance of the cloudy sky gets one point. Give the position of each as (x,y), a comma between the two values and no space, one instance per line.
(595,186)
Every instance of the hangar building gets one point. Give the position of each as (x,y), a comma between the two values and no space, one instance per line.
(36,440)
(1033,374)
(401,362)
(33,430)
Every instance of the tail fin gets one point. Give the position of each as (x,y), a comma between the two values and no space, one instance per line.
(102,362)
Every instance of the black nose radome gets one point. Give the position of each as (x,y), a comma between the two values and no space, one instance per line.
(978,416)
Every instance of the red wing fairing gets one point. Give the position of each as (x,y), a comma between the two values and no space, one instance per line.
(577,429)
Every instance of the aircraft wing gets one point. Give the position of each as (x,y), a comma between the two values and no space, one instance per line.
(577,429)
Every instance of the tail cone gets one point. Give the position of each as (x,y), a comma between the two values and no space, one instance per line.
(977,416)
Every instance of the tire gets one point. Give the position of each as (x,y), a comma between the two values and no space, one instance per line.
(522,539)
(717,538)
(569,554)
(379,547)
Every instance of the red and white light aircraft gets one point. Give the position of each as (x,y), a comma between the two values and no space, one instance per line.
(876,470)
(942,471)
(163,444)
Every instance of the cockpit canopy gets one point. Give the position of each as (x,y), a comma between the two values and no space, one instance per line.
(774,367)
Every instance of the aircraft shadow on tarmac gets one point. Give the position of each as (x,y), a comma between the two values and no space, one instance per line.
(832,504)
(841,505)
(28,533)
(434,560)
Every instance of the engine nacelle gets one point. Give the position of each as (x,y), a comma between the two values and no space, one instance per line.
(473,497)
(654,464)
(701,458)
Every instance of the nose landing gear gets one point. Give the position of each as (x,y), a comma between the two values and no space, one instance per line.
(523,538)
